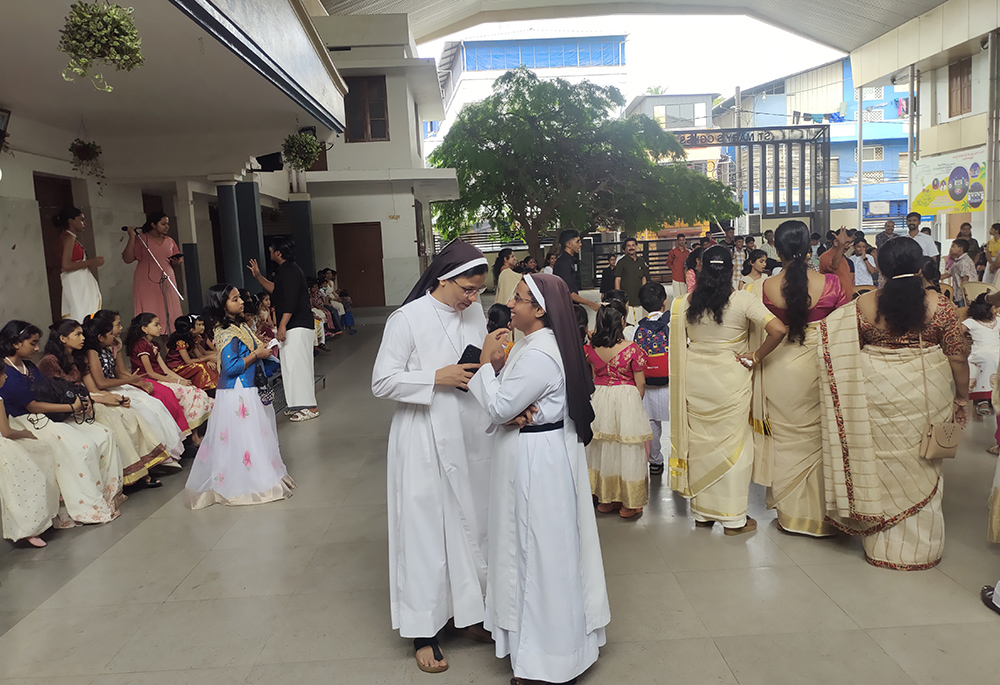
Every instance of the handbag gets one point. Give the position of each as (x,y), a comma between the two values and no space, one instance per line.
(264,389)
(940,440)
(60,391)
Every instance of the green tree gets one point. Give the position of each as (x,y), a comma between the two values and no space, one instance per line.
(537,156)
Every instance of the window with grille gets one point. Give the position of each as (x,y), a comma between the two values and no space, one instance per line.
(873,115)
(366,109)
(872,153)
(871,177)
(960,88)
(904,166)
(869,93)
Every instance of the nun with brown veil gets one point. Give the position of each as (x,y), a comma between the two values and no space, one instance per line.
(546,599)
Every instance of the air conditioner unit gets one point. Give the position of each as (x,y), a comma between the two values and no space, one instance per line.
(753,224)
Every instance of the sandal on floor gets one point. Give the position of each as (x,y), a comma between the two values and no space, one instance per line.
(627,513)
(153,483)
(995,450)
(609,507)
(421,642)
(986,594)
(748,527)
(703,524)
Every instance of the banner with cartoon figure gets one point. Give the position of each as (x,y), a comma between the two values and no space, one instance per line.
(951,183)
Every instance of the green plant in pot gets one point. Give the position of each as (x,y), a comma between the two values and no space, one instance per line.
(99,32)
(301,150)
(87,159)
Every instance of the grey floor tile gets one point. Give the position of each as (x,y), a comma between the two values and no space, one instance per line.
(202,634)
(387,671)
(255,572)
(955,653)
(76,641)
(760,601)
(650,607)
(842,657)
(694,660)
(235,675)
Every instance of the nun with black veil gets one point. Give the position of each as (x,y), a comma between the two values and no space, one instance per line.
(546,598)
(438,457)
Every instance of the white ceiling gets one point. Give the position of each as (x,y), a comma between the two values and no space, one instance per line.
(192,108)
(842,24)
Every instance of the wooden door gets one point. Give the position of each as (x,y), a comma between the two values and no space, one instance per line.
(53,195)
(359,262)
(955,222)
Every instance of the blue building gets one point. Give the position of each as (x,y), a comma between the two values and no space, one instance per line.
(826,95)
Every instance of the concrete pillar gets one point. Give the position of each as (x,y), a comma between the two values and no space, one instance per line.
(232,254)
(299,210)
(251,228)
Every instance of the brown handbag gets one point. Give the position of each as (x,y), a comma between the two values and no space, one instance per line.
(940,440)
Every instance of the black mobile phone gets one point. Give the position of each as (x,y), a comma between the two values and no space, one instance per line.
(469,356)
(176,256)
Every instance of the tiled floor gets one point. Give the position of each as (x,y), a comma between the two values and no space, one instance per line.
(296,592)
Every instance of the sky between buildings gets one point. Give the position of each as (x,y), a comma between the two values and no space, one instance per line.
(683,54)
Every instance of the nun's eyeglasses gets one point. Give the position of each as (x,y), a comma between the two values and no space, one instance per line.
(517,298)
(471,292)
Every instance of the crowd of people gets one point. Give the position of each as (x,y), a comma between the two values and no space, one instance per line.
(764,365)
(111,405)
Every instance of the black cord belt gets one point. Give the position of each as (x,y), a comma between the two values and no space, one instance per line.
(542,427)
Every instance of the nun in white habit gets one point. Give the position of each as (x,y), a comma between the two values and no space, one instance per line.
(546,599)
(439,455)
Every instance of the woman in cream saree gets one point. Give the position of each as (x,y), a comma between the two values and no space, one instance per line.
(787,408)
(710,436)
(896,359)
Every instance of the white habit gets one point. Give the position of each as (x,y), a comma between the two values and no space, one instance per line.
(546,599)
(438,469)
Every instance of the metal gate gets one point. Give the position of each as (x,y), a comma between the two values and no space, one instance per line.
(779,171)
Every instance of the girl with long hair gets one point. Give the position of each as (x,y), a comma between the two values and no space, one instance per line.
(616,457)
(710,391)
(199,370)
(505,277)
(81,295)
(154,285)
(29,492)
(239,461)
(787,410)
(896,359)
(550,262)
(65,359)
(106,372)
(144,355)
(80,447)
(754,268)
(692,266)
(984,358)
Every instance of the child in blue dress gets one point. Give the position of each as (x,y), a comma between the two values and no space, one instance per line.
(239,461)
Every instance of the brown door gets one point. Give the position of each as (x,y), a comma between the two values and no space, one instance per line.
(53,195)
(359,262)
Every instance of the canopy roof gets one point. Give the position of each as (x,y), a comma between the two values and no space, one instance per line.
(845,24)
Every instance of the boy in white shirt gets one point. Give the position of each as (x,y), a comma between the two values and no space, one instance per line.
(864,263)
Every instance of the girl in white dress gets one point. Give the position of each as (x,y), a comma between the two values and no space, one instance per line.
(982,328)
(106,372)
(546,599)
(239,461)
(29,495)
(88,462)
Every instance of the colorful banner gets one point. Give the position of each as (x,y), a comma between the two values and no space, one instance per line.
(951,183)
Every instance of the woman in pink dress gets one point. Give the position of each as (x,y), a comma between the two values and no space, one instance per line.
(150,287)
(787,408)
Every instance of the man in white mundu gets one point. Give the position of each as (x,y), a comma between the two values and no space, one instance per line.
(439,455)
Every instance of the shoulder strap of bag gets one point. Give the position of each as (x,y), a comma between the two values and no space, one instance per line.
(923,373)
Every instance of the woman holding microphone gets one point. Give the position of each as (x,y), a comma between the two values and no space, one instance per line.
(154,286)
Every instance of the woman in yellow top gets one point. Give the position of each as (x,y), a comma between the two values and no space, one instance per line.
(993,256)
(710,387)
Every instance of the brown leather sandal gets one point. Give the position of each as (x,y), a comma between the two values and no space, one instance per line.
(421,642)
(748,527)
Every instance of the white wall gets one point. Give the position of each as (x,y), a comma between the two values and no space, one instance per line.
(395,153)
(372,202)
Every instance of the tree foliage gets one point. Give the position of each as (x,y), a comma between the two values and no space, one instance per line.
(538,156)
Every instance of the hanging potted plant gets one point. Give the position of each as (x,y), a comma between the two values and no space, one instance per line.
(301,150)
(87,159)
(97,32)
